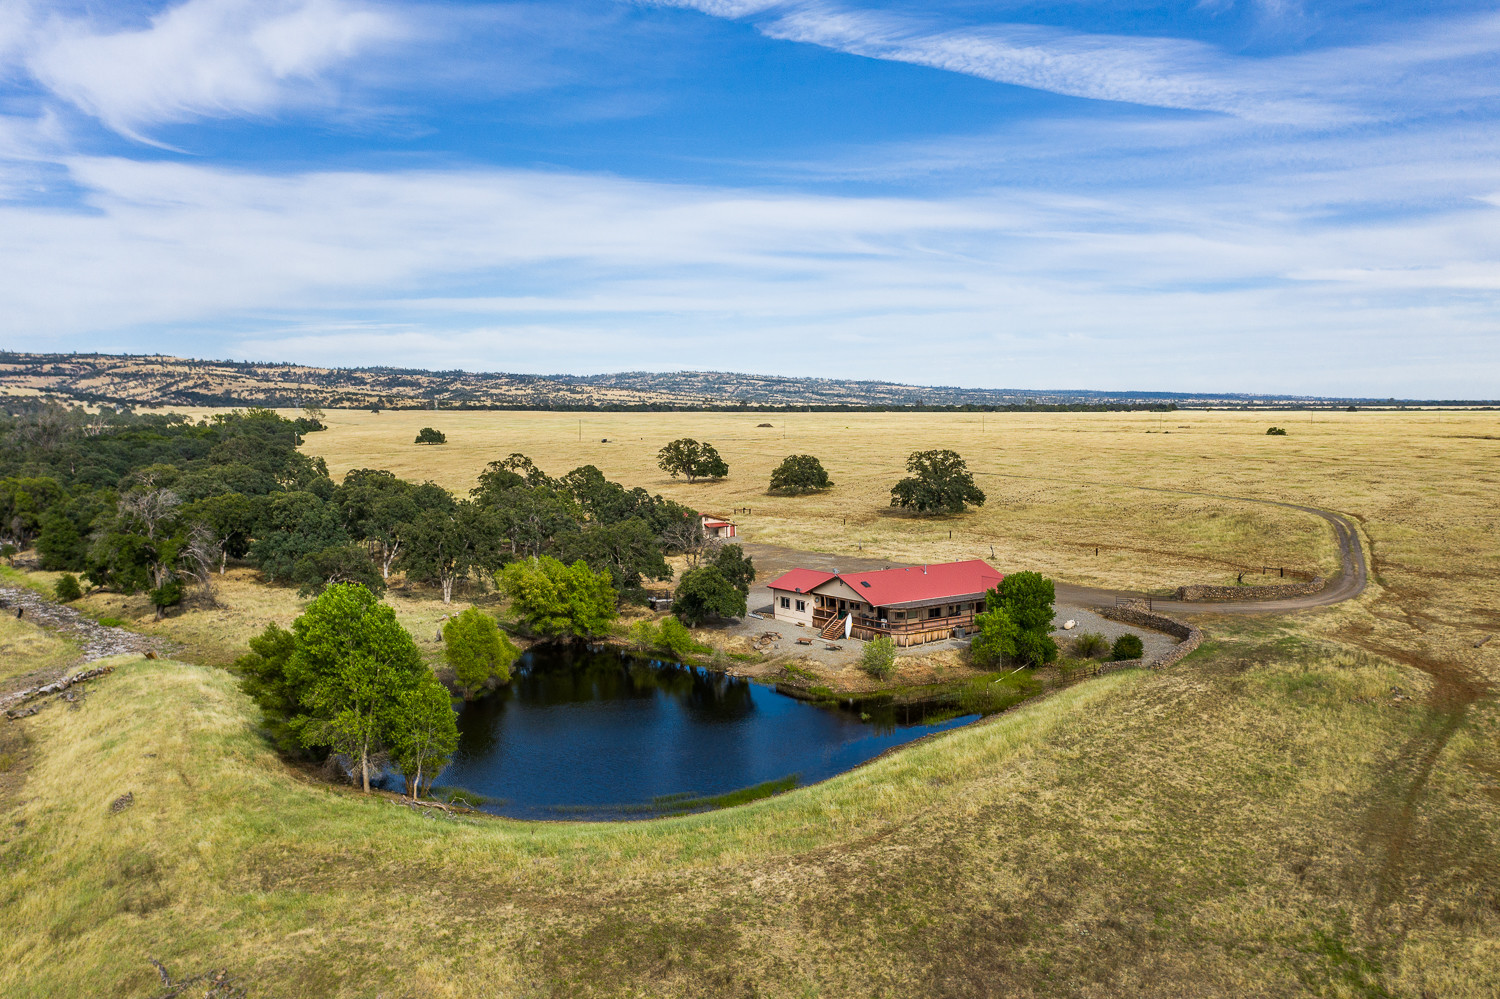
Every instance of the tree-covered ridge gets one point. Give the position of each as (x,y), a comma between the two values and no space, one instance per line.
(160,380)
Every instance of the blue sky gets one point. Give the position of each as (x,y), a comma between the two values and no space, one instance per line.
(1218,195)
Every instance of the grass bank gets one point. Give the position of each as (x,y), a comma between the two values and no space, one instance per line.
(1198,825)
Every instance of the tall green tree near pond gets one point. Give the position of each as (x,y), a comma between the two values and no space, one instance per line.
(477,652)
(264,677)
(423,734)
(559,601)
(994,643)
(1026,600)
(704,593)
(355,669)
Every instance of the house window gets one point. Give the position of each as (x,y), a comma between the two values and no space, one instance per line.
(979,607)
(934,612)
(787,602)
(802,605)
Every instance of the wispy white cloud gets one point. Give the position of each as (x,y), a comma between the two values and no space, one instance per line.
(204,58)
(548,271)
(1428,63)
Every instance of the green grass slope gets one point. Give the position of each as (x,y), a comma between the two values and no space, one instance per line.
(1201,831)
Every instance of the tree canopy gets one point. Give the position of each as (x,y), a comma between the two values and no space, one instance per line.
(799,473)
(940,483)
(704,593)
(691,460)
(1017,622)
(476,652)
(554,600)
(355,670)
(427,435)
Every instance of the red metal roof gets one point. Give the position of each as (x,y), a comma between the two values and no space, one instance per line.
(898,587)
(800,580)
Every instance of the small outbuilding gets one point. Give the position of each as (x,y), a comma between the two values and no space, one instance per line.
(718,527)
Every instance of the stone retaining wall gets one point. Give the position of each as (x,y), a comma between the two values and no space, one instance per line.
(1189,637)
(1271,592)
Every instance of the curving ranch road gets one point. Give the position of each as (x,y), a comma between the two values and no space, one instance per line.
(1348,583)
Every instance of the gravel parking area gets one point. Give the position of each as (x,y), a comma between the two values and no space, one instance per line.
(750,628)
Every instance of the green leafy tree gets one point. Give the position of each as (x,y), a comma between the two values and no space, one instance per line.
(691,460)
(628,550)
(349,563)
(736,567)
(940,483)
(354,666)
(1028,598)
(994,644)
(559,601)
(799,473)
(1128,647)
(377,508)
(423,734)
(264,677)
(878,658)
(445,546)
(704,593)
(291,525)
(476,651)
(427,435)
(232,519)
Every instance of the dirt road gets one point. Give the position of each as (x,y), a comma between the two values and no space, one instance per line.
(772,560)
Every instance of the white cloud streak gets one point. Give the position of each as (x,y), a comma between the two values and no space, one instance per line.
(1431,63)
(545,271)
(204,58)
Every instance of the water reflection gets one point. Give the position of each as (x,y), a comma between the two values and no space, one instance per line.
(599,734)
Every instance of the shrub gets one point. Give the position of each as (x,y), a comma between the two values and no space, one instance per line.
(67,589)
(879,658)
(1128,647)
(1276,432)
(431,436)
(642,636)
(674,637)
(1089,645)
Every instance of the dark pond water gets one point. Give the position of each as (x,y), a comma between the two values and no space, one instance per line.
(581,734)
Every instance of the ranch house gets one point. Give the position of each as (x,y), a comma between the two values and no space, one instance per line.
(926,603)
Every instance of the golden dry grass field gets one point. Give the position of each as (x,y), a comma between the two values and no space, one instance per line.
(1308,805)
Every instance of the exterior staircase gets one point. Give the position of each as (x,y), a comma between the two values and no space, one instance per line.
(833,629)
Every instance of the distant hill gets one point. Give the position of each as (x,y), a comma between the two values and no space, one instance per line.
(157,380)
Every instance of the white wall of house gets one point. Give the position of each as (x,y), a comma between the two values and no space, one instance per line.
(790,606)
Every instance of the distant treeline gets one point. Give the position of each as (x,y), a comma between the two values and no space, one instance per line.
(208,400)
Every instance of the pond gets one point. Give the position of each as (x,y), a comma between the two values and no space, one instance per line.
(589,734)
